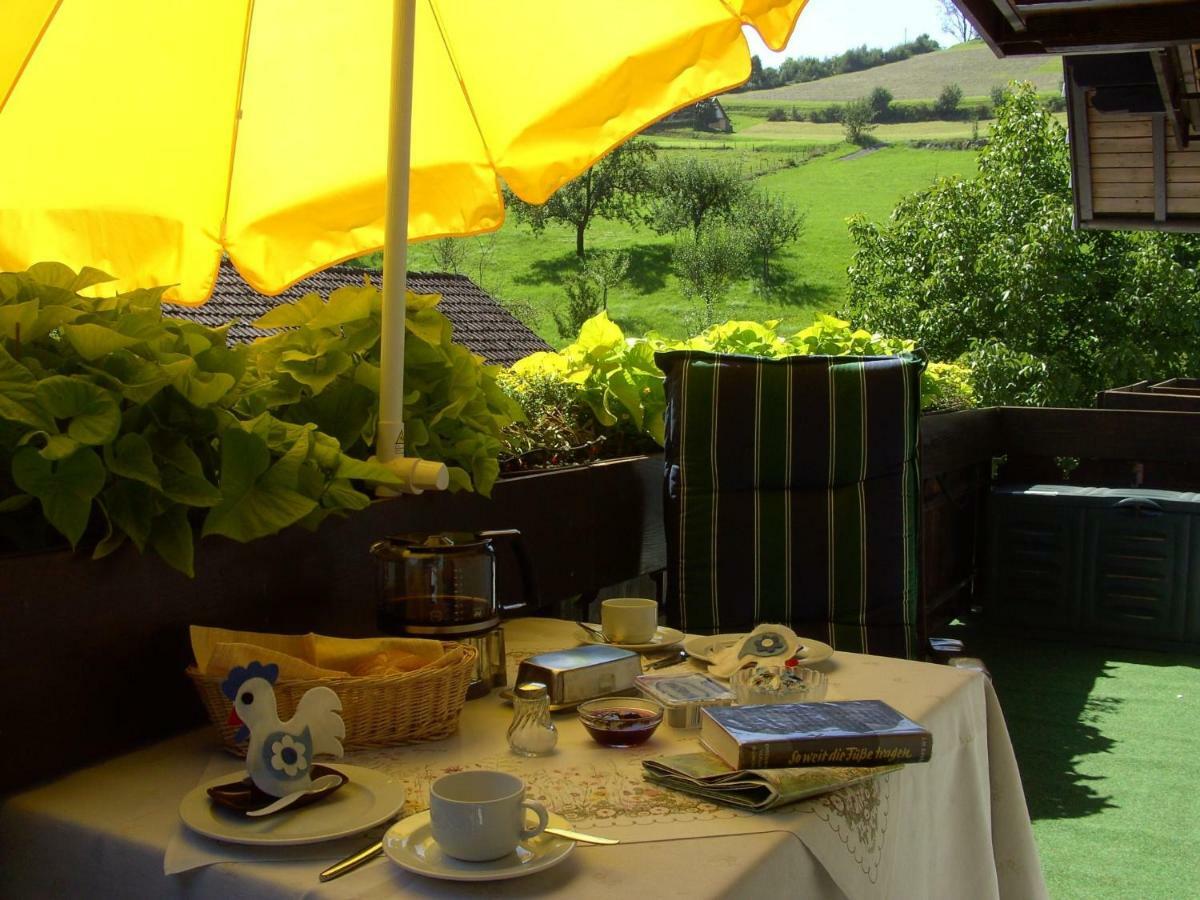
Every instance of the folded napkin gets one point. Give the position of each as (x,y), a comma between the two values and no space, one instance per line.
(771,644)
(299,656)
(706,775)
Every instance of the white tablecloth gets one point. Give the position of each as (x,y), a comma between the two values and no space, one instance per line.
(954,827)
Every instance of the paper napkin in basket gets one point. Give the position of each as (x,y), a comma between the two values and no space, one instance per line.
(759,790)
(337,656)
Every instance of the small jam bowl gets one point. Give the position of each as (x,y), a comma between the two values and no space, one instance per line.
(621,721)
(810,686)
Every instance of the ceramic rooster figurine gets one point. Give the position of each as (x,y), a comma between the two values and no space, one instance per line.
(280,755)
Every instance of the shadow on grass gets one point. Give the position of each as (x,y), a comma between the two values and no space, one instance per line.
(787,288)
(1046,690)
(649,266)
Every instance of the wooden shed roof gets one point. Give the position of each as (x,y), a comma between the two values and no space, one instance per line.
(480,323)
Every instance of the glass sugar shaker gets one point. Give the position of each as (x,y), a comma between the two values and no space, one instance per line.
(531,732)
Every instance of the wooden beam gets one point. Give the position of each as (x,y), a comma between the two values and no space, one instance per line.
(1160,168)
(1168,86)
(1008,10)
(952,440)
(1080,145)
(1101,434)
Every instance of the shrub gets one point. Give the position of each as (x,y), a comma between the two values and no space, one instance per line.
(947,102)
(879,100)
(707,264)
(777,114)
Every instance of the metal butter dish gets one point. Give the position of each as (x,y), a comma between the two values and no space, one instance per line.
(582,673)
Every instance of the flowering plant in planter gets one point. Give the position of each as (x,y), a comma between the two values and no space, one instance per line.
(119,422)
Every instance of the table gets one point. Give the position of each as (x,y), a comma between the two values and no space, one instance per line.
(954,827)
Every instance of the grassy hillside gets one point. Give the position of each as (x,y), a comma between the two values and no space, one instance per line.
(972,66)
(526,270)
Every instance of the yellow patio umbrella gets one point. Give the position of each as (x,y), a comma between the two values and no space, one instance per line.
(147,138)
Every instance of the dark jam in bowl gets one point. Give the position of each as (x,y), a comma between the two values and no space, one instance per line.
(617,726)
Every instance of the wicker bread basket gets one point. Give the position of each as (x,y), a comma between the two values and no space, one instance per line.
(379,710)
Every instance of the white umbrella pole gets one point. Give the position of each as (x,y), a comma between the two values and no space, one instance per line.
(389,446)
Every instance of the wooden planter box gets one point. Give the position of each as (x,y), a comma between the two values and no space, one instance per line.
(92,654)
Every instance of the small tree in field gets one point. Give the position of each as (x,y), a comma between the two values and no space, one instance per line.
(879,100)
(708,264)
(449,254)
(858,121)
(611,189)
(690,191)
(769,224)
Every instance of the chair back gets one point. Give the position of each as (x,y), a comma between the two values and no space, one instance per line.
(792,496)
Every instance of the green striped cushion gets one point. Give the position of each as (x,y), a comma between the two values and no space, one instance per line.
(792,496)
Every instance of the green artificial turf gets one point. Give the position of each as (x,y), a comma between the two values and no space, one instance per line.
(1107,740)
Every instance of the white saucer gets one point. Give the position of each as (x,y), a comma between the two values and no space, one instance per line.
(410,845)
(370,798)
(705,647)
(665,637)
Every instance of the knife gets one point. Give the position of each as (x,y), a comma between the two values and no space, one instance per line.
(350,863)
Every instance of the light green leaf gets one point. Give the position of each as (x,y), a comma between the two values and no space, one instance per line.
(18,396)
(65,488)
(369,470)
(172,539)
(132,457)
(187,488)
(92,412)
(315,371)
(346,304)
(17,320)
(58,446)
(459,479)
(256,498)
(430,326)
(291,315)
(130,506)
(204,388)
(341,494)
(92,341)
(15,502)
(58,275)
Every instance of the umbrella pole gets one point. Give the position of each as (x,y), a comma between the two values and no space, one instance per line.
(389,441)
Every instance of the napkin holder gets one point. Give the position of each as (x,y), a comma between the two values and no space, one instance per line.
(581,673)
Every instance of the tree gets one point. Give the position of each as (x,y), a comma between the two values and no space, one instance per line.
(947,102)
(583,302)
(607,268)
(687,192)
(708,263)
(611,189)
(879,100)
(992,270)
(858,121)
(955,23)
(769,223)
(449,254)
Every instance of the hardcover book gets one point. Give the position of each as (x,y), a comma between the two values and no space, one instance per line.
(834,733)
(703,775)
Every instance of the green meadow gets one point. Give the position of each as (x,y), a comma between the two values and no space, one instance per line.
(526,270)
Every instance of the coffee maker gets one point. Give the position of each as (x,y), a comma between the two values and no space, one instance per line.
(443,586)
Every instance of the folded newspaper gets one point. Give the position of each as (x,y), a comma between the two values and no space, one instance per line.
(705,775)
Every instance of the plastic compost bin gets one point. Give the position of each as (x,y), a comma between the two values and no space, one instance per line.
(1120,562)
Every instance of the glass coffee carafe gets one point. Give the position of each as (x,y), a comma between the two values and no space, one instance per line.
(443,586)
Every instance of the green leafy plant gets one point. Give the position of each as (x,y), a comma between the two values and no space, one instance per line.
(618,380)
(117,419)
(323,367)
(991,271)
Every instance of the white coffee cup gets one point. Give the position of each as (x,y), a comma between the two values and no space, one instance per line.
(629,620)
(480,815)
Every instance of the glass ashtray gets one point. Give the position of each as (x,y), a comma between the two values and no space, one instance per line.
(778,684)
